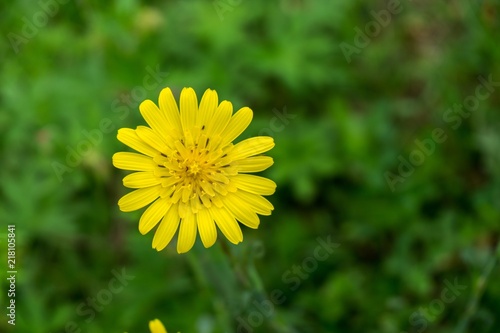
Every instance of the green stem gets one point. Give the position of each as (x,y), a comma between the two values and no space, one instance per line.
(213,274)
(230,277)
(478,291)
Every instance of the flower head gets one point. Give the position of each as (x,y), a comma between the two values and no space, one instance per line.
(191,173)
(155,326)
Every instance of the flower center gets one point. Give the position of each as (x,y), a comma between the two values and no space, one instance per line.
(195,176)
(193,168)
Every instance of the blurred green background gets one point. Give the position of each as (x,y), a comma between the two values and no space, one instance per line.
(351,121)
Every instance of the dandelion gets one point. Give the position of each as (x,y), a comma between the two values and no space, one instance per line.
(155,326)
(191,174)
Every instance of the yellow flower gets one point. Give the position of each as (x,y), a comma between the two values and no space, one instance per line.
(190,171)
(155,326)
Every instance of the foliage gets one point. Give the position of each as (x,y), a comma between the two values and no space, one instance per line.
(348,125)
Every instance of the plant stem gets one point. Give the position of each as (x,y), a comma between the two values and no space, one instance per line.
(478,290)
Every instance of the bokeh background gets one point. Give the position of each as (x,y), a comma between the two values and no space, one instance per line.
(350,122)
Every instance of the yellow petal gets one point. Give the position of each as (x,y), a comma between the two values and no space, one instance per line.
(227,224)
(241,211)
(141,179)
(169,181)
(183,151)
(220,119)
(167,229)
(258,203)
(169,107)
(189,109)
(254,164)
(153,116)
(154,139)
(207,187)
(206,200)
(195,204)
(208,105)
(187,233)
(251,146)
(254,184)
(238,123)
(139,198)
(153,215)
(220,188)
(183,208)
(133,161)
(155,326)
(206,227)
(220,178)
(129,137)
